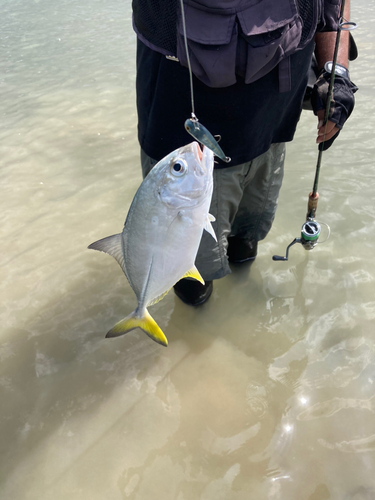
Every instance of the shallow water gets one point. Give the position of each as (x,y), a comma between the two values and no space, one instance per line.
(266,392)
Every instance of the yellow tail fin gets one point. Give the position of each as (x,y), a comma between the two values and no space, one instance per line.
(146,323)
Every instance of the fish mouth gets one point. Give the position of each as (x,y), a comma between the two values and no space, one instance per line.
(198,153)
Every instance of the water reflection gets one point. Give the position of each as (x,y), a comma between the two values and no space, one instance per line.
(266,392)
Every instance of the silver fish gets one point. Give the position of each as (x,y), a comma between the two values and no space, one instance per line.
(162,232)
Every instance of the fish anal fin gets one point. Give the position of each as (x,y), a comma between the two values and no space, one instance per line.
(145,323)
(194,273)
(112,245)
(158,298)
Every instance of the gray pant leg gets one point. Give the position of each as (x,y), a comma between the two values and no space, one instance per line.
(257,208)
(244,203)
(212,261)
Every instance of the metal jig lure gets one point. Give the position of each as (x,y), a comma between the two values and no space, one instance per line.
(204,136)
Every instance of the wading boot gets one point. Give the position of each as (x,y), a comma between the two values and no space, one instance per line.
(192,292)
(241,250)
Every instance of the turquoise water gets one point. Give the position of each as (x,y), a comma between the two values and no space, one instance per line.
(266,392)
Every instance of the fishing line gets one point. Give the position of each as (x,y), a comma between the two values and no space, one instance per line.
(193,116)
(192,125)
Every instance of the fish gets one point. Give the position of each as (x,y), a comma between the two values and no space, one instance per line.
(204,136)
(162,233)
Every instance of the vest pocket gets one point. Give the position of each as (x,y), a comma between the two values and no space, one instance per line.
(265,51)
(212,43)
(270,37)
(269,31)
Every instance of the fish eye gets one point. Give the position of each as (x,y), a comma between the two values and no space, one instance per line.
(178,167)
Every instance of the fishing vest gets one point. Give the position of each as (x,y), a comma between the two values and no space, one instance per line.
(227,38)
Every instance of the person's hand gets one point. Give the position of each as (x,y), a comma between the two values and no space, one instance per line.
(326,132)
(342,105)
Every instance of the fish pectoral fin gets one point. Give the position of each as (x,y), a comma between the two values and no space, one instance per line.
(208,226)
(112,245)
(145,323)
(194,273)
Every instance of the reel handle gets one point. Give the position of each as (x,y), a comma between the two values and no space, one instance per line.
(280,257)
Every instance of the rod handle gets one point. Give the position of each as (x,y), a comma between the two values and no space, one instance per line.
(312,205)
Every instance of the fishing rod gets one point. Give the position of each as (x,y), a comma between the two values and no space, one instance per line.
(310,230)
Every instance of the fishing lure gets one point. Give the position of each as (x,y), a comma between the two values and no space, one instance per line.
(202,135)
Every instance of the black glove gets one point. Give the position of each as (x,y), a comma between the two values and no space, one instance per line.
(342,102)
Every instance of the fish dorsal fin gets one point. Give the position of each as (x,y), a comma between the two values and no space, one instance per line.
(208,226)
(194,273)
(112,245)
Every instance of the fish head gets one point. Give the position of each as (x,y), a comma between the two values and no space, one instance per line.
(186,176)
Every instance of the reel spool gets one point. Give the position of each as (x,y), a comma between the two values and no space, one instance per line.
(310,232)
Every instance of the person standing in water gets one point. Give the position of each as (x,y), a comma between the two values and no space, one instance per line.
(250,61)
